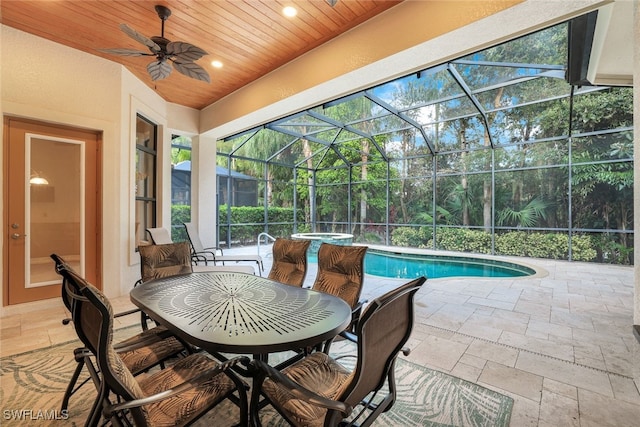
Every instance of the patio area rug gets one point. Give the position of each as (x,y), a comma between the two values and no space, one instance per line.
(32,385)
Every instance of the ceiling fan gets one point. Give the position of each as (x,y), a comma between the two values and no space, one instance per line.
(181,54)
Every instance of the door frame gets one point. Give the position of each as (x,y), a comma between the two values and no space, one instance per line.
(5,199)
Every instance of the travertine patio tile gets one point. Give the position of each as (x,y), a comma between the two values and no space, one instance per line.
(484,311)
(624,388)
(511,316)
(550,329)
(546,347)
(438,352)
(583,336)
(568,373)
(537,334)
(21,344)
(619,361)
(537,295)
(597,410)
(11,329)
(62,335)
(446,298)
(525,412)
(471,360)
(491,303)
(560,388)
(477,290)
(588,306)
(466,372)
(563,316)
(493,352)
(556,285)
(558,410)
(498,323)
(536,310)
(600,319)
(589,355)
(514,380)
(506,295)
(480,331)
(450,316)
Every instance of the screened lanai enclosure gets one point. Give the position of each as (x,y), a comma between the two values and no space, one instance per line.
(498,152)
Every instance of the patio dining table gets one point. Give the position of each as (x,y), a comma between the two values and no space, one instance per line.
(234,312)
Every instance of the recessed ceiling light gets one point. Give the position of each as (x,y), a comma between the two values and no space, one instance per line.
(216,64)
(289,11)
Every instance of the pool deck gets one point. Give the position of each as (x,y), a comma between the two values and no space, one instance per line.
(560,343)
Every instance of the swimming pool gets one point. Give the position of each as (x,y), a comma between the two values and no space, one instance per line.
(408,266)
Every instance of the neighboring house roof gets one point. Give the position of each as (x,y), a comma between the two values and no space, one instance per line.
(220,171)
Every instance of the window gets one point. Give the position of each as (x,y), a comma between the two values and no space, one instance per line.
(145,179)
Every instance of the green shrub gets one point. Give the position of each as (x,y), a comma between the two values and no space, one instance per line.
(247,222)
(547,245)
(406,236)
(582,248)
(463,240)
(179,215)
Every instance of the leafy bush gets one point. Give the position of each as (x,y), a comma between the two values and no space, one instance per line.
(179,215)
(513,243)
(247,222)
(411,236)
(582,248)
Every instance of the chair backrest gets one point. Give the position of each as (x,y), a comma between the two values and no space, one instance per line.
(194,237)
(159,236)
(382,331)
(289,261)
(93,315)
(341,271)
(60,264)
(72,283)
(164,260)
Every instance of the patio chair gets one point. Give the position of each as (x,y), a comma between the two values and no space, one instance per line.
(163,260)
(215,254)
(139,352)
(176,395)
(341,273)
(289,261)
(319,391)
(159,236)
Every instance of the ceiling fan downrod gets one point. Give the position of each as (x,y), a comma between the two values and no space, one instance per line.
(163,13)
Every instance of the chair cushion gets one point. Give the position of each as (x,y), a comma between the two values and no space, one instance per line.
(318,373)
(143,358)
(179,409)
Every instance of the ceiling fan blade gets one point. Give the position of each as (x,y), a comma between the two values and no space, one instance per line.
(125,52)
(193,70)
(185,52)
(153,46)
(159,70)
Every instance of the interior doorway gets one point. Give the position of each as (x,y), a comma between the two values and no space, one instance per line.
(52,205)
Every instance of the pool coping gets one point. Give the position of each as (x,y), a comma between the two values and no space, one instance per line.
(539,271)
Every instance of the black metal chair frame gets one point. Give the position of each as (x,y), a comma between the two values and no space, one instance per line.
(357,393)
(120,410)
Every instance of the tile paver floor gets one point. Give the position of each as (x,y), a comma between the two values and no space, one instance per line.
(560,343)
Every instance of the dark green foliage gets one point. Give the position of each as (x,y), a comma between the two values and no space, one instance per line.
(179,215)
(247,222)
(513,243)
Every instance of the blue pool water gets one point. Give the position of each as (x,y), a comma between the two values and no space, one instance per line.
(408,266)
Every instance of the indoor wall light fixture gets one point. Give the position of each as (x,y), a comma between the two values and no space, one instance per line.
(36,179)
(332,2)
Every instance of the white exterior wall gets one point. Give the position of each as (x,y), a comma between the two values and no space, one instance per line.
(45,81)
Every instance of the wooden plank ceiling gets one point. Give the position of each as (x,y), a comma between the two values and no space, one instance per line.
(250,37)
